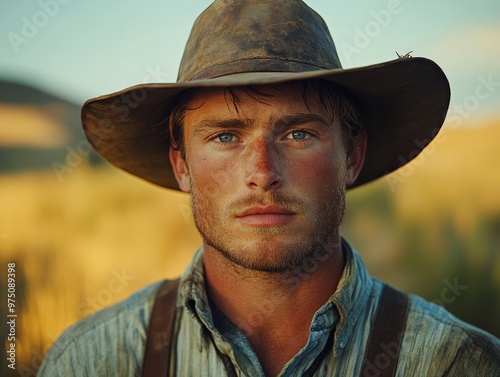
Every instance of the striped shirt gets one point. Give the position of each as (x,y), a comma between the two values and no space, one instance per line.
(435,343)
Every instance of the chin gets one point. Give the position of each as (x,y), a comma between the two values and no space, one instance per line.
(267,255)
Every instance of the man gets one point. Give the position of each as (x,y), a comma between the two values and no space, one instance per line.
(266,131)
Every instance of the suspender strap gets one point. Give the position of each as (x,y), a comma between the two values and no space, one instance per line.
(159,354)
(384,342)
(161,332)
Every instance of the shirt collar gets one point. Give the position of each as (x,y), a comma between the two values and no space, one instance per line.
(193,295)
(351,297)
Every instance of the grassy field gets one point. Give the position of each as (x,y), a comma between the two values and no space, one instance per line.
(88,239)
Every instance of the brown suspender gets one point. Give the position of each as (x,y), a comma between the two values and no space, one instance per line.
(161,333)
(384,341)
(381,356)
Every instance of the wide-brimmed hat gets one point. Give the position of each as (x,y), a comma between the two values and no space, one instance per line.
(402,103)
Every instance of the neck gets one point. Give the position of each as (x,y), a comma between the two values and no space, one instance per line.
(268,307)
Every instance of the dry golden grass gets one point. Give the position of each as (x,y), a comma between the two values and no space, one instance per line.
(71,239)
(459,173)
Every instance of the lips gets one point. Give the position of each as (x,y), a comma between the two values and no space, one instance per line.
(270,215)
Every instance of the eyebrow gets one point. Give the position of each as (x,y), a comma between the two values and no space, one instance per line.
(232,123)
(297,119)
(238,123)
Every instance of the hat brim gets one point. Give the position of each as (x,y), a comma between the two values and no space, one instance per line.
(402,103)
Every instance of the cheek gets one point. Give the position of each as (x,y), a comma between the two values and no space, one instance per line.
(212,174)
(314,171)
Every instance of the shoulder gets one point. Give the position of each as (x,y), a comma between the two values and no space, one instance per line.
(449,344)
(115,335)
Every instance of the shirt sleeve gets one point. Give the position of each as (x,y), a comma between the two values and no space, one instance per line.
(436,343)
(478,356)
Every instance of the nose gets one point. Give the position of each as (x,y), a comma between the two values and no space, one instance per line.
(262,164)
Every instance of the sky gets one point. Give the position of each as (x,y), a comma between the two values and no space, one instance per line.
(82,49)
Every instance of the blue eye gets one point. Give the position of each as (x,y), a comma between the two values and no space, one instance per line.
(298,134)
(225,138)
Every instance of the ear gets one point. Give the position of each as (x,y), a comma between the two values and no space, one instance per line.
(356,159)
(180,169)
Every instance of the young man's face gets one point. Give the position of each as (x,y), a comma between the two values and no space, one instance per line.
(267,180)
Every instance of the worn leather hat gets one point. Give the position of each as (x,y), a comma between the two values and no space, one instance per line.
(402,102)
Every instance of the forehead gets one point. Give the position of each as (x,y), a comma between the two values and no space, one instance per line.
(255,100)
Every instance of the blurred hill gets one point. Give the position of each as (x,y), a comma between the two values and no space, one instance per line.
(37,129)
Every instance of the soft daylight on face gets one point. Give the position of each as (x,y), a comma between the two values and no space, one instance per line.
(267,179)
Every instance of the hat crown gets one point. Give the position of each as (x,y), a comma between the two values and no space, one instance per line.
(236,36)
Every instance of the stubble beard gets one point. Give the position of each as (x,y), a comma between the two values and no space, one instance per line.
(266,256)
